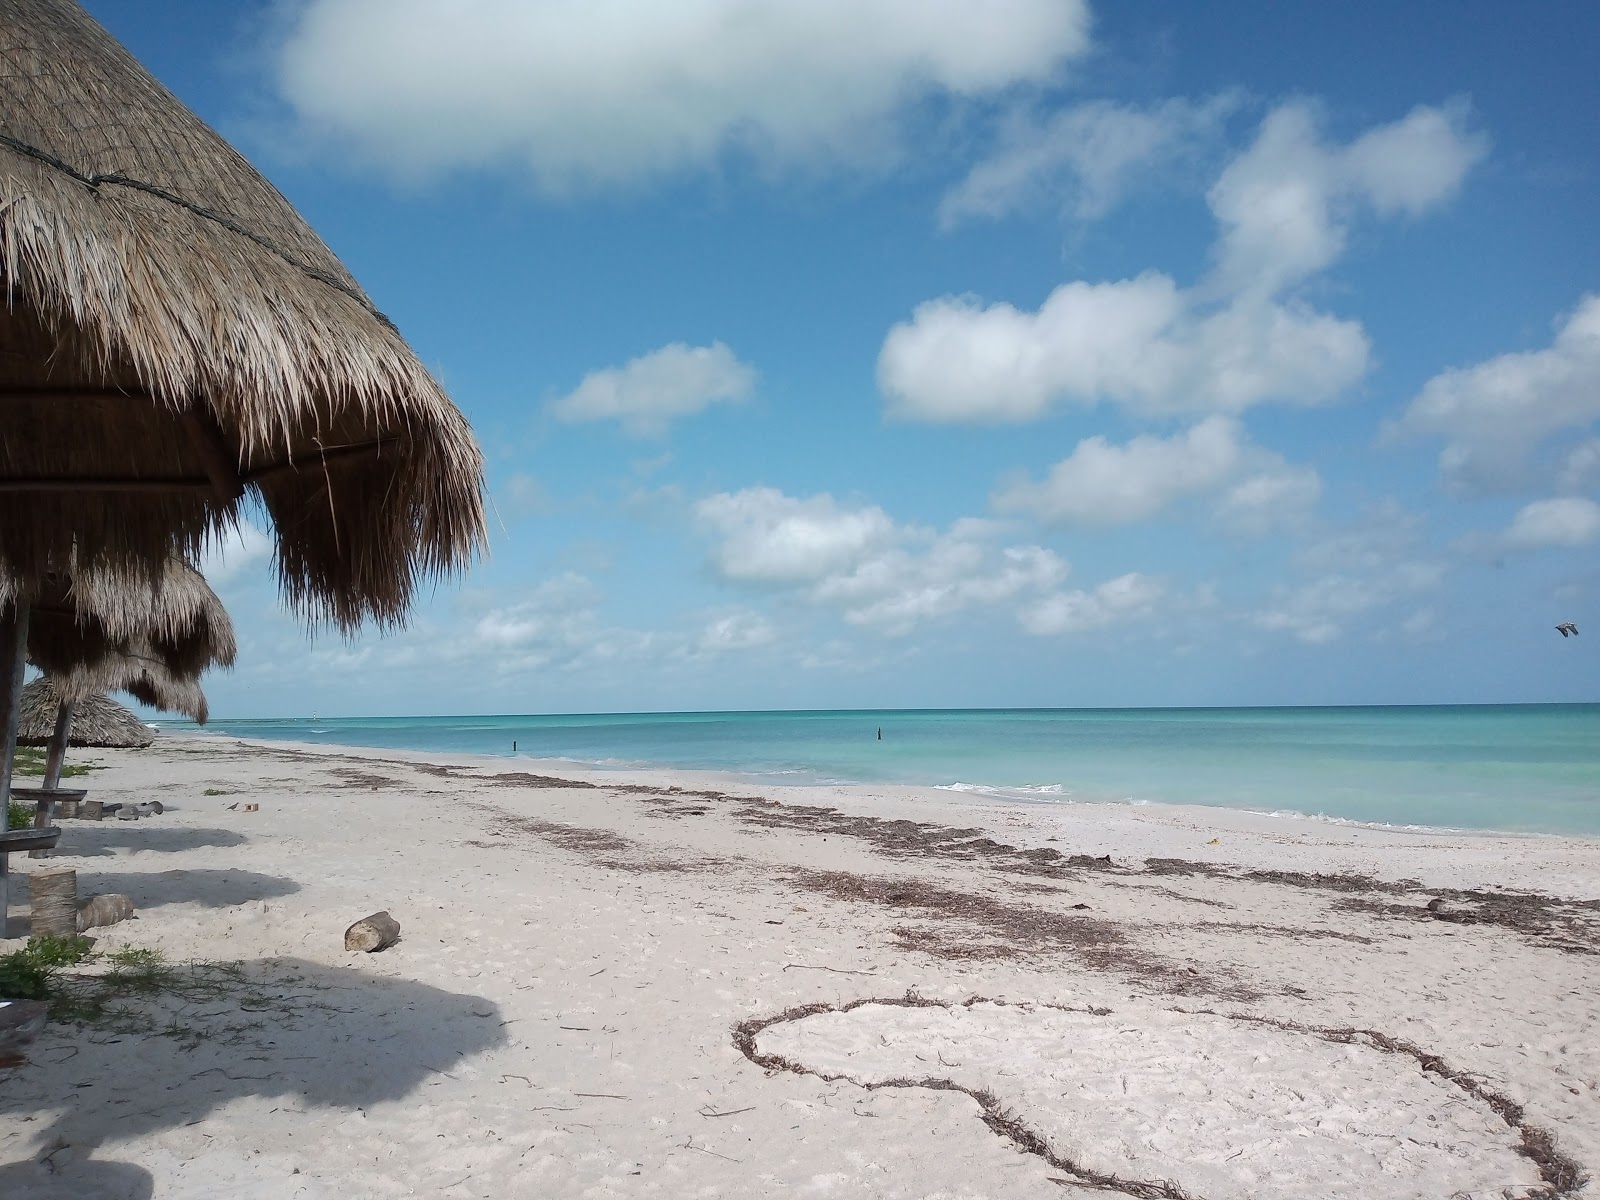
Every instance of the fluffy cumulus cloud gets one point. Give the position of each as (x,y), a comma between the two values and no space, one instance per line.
(1495,414)
(1124,598)
(1234,340)
(1104,484)
(1563,521)
(1083,158)
(768,537)
(584,93)
(1143,343)
(649,392)
(1286,203)
(873,570)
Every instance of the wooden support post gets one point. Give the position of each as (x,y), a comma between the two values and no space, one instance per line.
(207,441)
(56,759)
(13,658)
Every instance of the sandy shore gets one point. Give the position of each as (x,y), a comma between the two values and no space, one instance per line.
(642,985)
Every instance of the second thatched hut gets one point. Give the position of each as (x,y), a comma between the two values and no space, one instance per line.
(96,720)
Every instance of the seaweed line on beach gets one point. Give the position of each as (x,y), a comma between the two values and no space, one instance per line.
(995,1115)
(1565,926)
(1014,929)
(1561,1174)
(1001,929)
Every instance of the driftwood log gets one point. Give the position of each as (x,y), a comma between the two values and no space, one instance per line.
(377,932)
(104,910)
(53,895)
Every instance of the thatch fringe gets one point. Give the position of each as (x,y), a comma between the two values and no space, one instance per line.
(139,671)
(82,616)
(97,720)
(170,318)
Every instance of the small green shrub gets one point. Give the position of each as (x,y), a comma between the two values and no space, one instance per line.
(218,792)
(18,816)
(26,974)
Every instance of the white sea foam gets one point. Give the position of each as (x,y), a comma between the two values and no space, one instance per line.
(1039,793)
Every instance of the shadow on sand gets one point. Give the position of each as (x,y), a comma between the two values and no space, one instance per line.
(214,887)
(329,1038)
(89,839)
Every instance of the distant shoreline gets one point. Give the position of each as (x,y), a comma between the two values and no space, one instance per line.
(1525,768)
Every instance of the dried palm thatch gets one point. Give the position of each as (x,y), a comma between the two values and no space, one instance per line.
(97,720)
(176,342)
(140,672)
(79,617)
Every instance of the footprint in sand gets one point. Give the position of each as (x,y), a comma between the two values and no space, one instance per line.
(1223,1109)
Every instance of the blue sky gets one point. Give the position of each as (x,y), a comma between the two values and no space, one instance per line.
(872,353)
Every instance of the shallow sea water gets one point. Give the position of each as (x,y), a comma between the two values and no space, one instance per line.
(1515,767)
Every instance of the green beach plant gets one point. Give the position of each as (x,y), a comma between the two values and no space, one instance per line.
(31,973)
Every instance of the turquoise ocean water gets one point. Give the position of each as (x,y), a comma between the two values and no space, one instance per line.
(1515,767)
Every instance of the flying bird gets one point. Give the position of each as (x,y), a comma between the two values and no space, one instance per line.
(1567,628)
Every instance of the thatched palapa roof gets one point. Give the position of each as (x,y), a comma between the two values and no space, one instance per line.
(175,622)
(175,341)
(139,671)
(97,721)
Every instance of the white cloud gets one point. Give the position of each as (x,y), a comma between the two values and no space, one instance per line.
(1317,612)
(585,93)
(1563,521)
(233,555)
(903,587)
(875,571)
(555,616)
(1361,570)
(1279,497)
(1087,154)
(1580,467)
(1124,598)
(768,537)
(1104,484)
(1140,342)
(1233,341)
(1493,415)
(1284,204)
(742,630)
(650,391)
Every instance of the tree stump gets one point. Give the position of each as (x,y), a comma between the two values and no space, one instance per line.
(92,810)
(104,910)
(53,893)
(377,932)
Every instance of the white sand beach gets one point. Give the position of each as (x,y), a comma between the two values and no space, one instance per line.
(625,984)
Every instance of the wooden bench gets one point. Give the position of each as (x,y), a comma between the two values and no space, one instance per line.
(44,801)
(15,841)
(33,795)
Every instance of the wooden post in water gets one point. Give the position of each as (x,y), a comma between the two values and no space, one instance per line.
(13,658)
